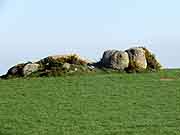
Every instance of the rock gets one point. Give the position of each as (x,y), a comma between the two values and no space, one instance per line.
(137,58)
(115,59)
(13,71)
(16,70)
(71,59)
(60,60)
(30,68)
(66,66)
(107,56)
(152,63)
(120,60)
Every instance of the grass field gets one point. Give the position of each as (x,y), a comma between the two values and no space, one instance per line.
(100,104)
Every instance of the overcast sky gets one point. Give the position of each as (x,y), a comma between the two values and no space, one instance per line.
(33,29)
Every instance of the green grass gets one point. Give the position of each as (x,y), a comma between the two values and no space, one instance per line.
(99,104)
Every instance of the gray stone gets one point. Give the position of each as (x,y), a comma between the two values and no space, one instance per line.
(107,56)
(66,66)
(137,58)
(115,59)
(13,70)
(16,70)
(30,68)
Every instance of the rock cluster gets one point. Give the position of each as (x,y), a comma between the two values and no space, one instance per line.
(21,70)
(135,59)
(50,66)
(132,60)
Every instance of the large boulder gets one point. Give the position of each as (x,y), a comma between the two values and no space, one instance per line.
(71,59)
(16,71)
(115,59)
(60,60)
(30,68)
(137,58)
(107,56)
(152,63)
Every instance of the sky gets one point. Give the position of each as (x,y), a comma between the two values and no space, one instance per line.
(33,29)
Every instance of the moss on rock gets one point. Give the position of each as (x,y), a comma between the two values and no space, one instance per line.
(152,63)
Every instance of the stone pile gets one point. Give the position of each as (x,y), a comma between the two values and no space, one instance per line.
(135,59)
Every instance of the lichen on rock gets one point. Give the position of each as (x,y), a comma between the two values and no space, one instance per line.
(115,59)
(152,63)
(30,68)
(137,59)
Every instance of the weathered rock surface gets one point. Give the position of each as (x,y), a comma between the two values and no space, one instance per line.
(115,59)
(137,58)
(60,60)
(66,66)
(30,68)
(16,70)
(107,56)
(152,63)
(71,59)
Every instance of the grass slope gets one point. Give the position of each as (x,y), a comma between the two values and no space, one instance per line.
(101,104)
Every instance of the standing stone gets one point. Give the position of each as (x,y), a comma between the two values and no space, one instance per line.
(120,60)
(115,59)
(137,58)
(30,68)
(107,56)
